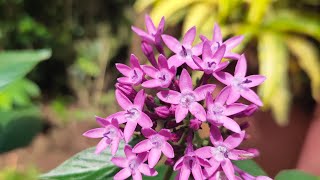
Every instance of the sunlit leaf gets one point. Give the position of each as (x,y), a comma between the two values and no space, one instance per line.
(16,64)
(140,5)
(308,59)
(251,167)
(273,63)
(295,175)
(257,11)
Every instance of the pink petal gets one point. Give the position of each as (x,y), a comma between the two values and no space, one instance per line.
(172,43)
(142,157)
(178,164)
(241,67)
(143,35)
(202,91)
(128,152)
(255,80)
(147,132)
(204,152)
(102,121)
(233,42)
(210,170)
(184,173)
(167,150)
(223,95)
(145,121)
(150,71)
(203,38)
(230,124)
(124,80)
(234,109)
(154,157)
(251,96)
(189,37)
(162,61)
(120,161)
(209,101)
(129,129)
(139,99)
(114,146)
(149,25)
(134,61)
(222,66)
(137,175)
(165,133)
(197,173)
(153,83)
(236,154)
(234,95)
(122,174)
(198,61)
(161,24)
(215,135)
(230,55)
(180,113)
(206,51)
(228,169)
(118,116)
(218,55)
(123,101)
(197,49)
(95,133)
(203,162)
(217,37)
(185,81)
(191,64)
(175,61)
(142,146)
(198,111)
(172,97)
(234,140)
(123,69)
(144,169)
(102,145)
(223,77)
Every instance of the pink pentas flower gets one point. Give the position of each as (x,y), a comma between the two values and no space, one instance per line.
(223,151)
(132,113)
(211,61)
(218,111)
(134,74)
(110,134)
(240,84)
(216,42)
(183,51)
(187,99)
(162,77)
(156,144)
(133,165)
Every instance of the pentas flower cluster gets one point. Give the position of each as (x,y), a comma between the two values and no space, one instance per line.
(164,110)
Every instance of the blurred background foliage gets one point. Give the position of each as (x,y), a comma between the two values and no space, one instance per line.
(280,35)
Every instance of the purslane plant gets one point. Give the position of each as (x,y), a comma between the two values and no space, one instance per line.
(169,109)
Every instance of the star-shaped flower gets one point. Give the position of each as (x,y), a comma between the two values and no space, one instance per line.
(162,77)
(240,84)
(211,61)
(218,112)
(216,42)
(134,74)
(110,134)
(132,113)
(187,99)
(185,51)
(133,165)
(156,143)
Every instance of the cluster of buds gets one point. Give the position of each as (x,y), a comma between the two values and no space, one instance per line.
(164,110)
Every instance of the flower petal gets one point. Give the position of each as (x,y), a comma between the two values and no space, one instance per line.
(197,49)
(137,175)
(128,152)
(198,111)
(215,135)
(162,61)
(153,83)
(217,37)
(198,61)
(147,132)
(255,80)
(237,154)
(118,116)
(234,95)
(206,50)
(204,152)
(233,42)
(124,80)
(218,55)
(251,96)
(178,164)
(102,121)
(143,35)
(180,113)
(134,61)
(139,99)
(188,38)
(114,146)
(122,174)
(150,70)
(189,61)
(197,172)
(129,129)
(95,133)
(161,25)
(223,95)
(123,101)
(149,25)
(169,96)
(185,81)
(167,150)
(223,77)
(202,91)
(184,173)
(102,145)
(172,43)
(145,121)
(142,146)
(230,124)
(120,161)
(234,140)
(123,69)
(165,133)
(146,170)
(154,157)
(210,170)
(175,61)
(234,109)
(241,67)
(228,169)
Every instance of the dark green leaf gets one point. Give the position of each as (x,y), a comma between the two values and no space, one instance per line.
(161,173)
(295,175)
(251,167)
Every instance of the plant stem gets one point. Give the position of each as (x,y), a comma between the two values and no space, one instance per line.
(168,173)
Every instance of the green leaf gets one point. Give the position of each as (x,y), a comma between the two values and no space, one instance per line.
(308,59)
(257,11)
(295,175)
(162,169)
(251,167)
(273,63)
(16,64)
(85,165)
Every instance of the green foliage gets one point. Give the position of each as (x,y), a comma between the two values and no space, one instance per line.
(295,175)
(13,174)
(251,167)
(85,165)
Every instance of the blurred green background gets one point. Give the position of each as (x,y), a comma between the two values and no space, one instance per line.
(57,63)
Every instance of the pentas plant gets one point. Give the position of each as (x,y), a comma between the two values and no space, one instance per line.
(164,110)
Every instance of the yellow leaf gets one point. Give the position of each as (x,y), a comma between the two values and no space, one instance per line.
(141,5)
(257,11)
(273,63)
(308,59)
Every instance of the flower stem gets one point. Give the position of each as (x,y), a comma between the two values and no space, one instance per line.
(168,173)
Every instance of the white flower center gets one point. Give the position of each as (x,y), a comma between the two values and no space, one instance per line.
(164,76)
(240,83)
(220,153)
(136,75)
(215,46)
(111,133)
(132,114)
(133,164)
(217,110)
(157,141)
(186,53)
(187,99)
